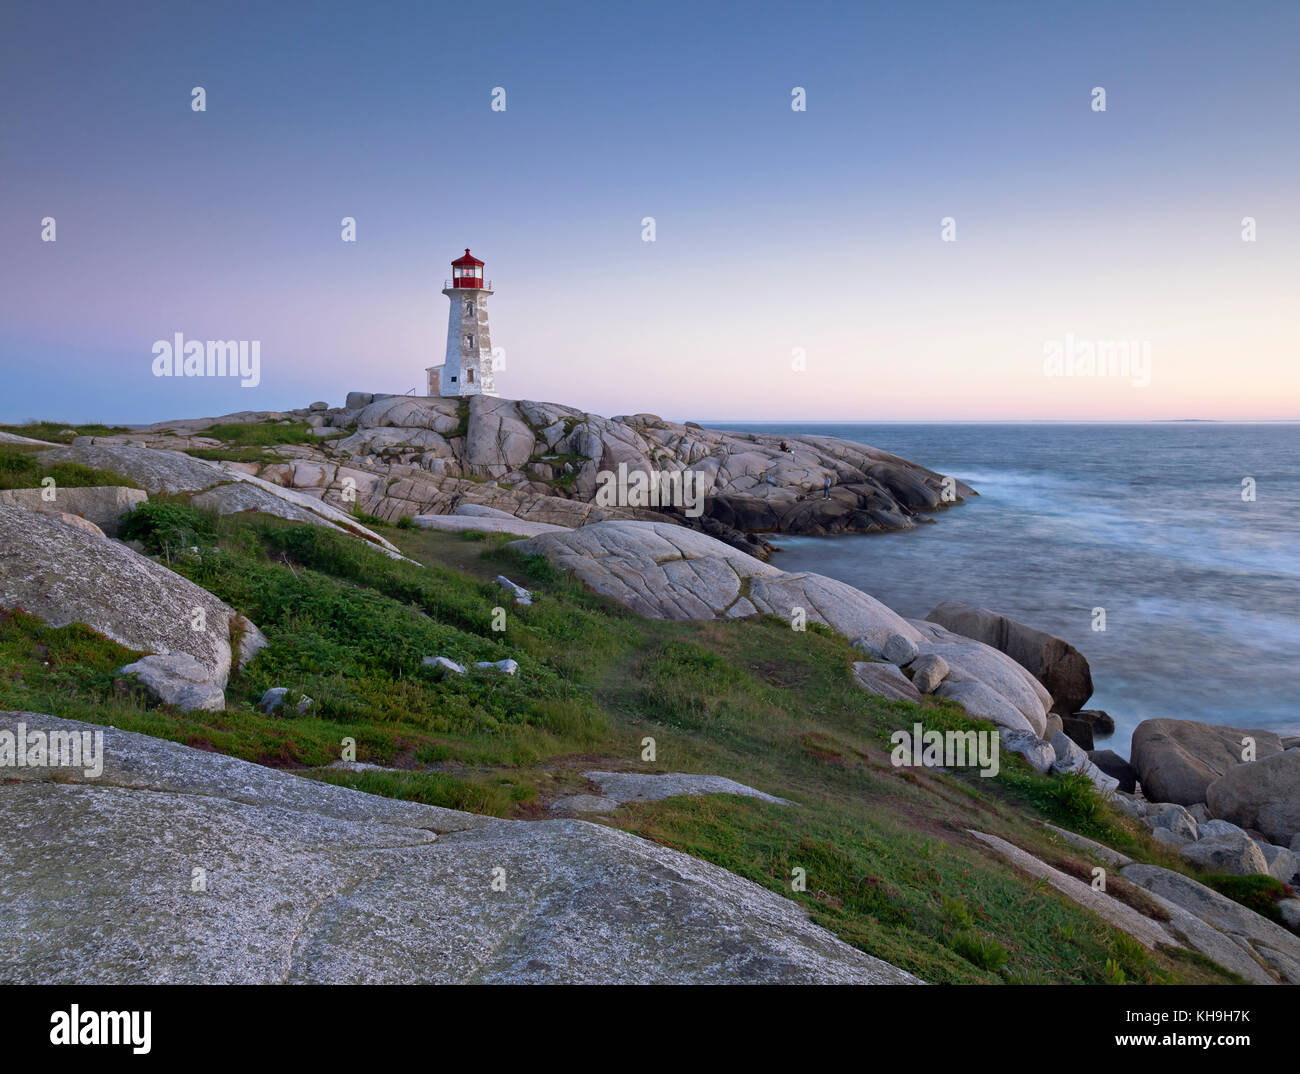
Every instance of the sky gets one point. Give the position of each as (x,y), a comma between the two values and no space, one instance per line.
(799,268)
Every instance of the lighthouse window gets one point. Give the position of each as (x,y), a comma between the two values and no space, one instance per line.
(469,376)
(469,308)
(469,341)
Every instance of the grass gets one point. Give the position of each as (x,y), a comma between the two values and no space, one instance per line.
(1259,893)
(252,441)
(21,470)
(58,432)
(888,864)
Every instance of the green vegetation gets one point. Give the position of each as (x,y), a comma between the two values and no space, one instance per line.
(252,441)
(887,862)
(167,527)
(1260,893)
(58,432)
(19,469)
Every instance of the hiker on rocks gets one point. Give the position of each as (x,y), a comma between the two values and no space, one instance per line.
(826,489)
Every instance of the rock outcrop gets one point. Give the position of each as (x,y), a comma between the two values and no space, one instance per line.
(61,574)
(1057,664)
(306,882)
(1264,795)
(102,505)
(221,487)
(408,455)
(1177,760)
(667,572)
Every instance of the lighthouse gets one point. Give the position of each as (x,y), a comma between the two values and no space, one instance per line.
(467,369)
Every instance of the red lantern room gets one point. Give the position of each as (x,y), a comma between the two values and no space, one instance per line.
(467,271)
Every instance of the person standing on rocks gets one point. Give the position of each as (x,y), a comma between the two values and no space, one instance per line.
(826,489)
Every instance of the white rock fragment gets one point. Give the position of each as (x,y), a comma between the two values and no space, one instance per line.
(443,662)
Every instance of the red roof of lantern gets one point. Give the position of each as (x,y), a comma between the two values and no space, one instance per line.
(467,259)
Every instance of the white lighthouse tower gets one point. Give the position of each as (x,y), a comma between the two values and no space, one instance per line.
(468,367)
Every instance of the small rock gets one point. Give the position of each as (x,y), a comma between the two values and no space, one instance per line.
(500,667)
(1126,801)
(1174,818)
(518,592)
(1199,813)
(443,662)
(319,406)
(274,699)
(899,650)
(928,672)
(1103,723)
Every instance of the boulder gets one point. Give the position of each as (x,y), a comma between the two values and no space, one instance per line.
(1177,760)
(62,574)
(1103,724)
(1116,767)
(928,672)
(311,883)
(319,405)
(1080,731)
(899,650)
(1282,864)
(1264,795)
(178,679)
(1034,750)
(154,471)
(1210,827)
(1290,911)
(884,680)
(104,505)
(80,523)
(1070,757)
(273,700)
(1058,665)
(1230,852)
(972,661)
(357,400)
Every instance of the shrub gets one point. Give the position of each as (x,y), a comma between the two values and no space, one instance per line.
(986,954)
(161,526)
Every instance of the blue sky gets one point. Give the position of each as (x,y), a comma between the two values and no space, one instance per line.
(776,231)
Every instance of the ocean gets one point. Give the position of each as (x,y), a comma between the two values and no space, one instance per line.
(1200,585)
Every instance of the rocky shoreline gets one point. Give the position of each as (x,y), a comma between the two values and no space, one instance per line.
(530,470)
(394,456)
